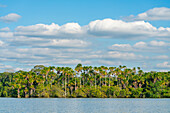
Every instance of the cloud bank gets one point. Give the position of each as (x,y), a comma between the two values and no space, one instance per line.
(70,44)
(106,28)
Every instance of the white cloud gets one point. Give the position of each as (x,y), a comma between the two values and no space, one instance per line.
(6,34)
(160,57)
(121,47)
(164,70)
(23,69)
(45,42)
(122,55)
(50,56)
(53,30)
(106,28)
(71,61)
(108,62)
(119,28)
(152,46)
(5,29)
(140,45)
(159,43)
(9,68)
(1,43)
(3,67)
(65,43)
(161,13)
(163,65)
(70,44)
(12,17)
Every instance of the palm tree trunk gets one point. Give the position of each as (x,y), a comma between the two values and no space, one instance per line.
(80,81)
(83,81)
(62,83)
(31,92)
(105,80)
(100,82)
(95,81)
(109,81)
(65,86)
(71,90)
(75,83)
(18,93)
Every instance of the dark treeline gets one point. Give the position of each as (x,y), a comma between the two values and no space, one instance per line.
(85,82)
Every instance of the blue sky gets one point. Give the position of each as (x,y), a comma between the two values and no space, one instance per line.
(92,32)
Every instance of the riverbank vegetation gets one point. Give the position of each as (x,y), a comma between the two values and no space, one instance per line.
(85,82)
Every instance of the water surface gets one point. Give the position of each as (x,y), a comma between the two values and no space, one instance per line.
(86,105)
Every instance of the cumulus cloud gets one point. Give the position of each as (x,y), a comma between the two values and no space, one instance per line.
(65,43)
(164,57)
(106,28)
(121,47)
(163,65)
(159,43)
(152,46)
(1,43)
(23,69)
(42,55)
(161,13)
(120,29)
(122,55)
(12,17)
(140,45)
(163,70)
(6,34)
(71,43)
(9,68)
(71,61)
(5,29)
(53,30)
(110,63)
(5,67)
(48,43)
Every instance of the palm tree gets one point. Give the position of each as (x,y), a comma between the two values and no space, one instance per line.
(18,83)
(78,69)
(105,73)
(31,78)
(95,72)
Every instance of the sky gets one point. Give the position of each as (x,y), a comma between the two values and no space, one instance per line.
(91,32)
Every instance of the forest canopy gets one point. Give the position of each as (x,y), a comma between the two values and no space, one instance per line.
(85,82)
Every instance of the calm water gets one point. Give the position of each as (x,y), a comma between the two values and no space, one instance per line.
(56,105)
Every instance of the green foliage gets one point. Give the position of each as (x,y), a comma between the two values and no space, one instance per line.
(85,82)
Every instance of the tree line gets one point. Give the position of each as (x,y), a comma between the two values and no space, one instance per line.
(85,82)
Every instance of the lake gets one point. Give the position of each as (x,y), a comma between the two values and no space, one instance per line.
(86,105)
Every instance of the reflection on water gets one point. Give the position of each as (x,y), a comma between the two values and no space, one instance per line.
(62,105)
